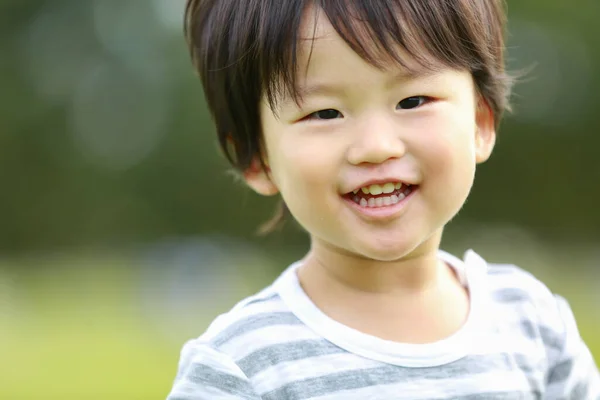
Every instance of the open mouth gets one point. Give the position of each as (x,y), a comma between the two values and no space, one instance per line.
(375,196)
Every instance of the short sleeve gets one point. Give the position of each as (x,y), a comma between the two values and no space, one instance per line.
(573,374)
(205,373)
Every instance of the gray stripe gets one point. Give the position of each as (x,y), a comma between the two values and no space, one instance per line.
(529,329)
(385,375)
(267,299)
(253,323)
(560,372)
(327,384)
(526,364)
(551,338)
(501,270)
(580,391)
(270,356)
(203,375)
(283,352)
(511,295)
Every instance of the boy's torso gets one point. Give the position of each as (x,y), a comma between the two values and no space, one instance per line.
(317,369)
(284,358)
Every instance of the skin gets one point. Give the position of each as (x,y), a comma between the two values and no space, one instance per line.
(381,276)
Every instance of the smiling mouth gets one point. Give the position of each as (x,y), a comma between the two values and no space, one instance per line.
(370,200)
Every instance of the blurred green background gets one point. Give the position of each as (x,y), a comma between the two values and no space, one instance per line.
(121,235)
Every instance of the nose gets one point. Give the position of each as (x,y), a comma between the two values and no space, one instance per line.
(376,140)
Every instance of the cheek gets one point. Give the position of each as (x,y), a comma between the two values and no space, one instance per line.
(308,163)
(304,172)
(454,157)
(303,165)
(449,144)
(448,164)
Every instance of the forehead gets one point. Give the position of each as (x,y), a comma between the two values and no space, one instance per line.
(318,34)
(326,62)
(389,36)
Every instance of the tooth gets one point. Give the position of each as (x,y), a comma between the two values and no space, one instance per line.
(363,203)
(394,199)
(355,191)
(388,188)
(365,190)
(401,196)
(375,189)
(379,202)
(398,186)
(387,201)
(371,202)
(356,199)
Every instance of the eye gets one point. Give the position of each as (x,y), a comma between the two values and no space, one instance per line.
(412,102)
(325,114)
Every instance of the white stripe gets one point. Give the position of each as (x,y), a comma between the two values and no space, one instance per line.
(206,355)
(265,293)
(506,343)
(273,305)
(223,321)
(190,391)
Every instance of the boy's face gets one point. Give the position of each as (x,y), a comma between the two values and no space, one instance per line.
(377,126)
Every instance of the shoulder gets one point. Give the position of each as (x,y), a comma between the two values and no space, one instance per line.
(245,341)
(251,314)
(544,321)
(540,314)
(255,323)
(510,283)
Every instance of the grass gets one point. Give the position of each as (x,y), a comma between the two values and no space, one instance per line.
(71,328)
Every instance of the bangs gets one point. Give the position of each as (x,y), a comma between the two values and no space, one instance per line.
(413,35)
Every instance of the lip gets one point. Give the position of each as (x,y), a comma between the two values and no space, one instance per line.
(380,213)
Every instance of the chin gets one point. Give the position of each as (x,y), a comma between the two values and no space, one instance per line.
(387,252)
(394,247)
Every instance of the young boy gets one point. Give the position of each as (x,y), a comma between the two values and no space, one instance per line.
(369,117)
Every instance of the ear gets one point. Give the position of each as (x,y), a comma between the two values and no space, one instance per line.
(485,136)
(259,178)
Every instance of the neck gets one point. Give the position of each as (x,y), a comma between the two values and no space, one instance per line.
(417,272)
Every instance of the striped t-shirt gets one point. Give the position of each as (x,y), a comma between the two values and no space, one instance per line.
(519,342)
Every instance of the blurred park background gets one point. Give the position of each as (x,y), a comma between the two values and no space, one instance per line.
(122,235)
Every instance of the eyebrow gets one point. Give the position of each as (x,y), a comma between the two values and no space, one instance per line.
(336,89)
(409,75)
(313,89)
(321,89)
